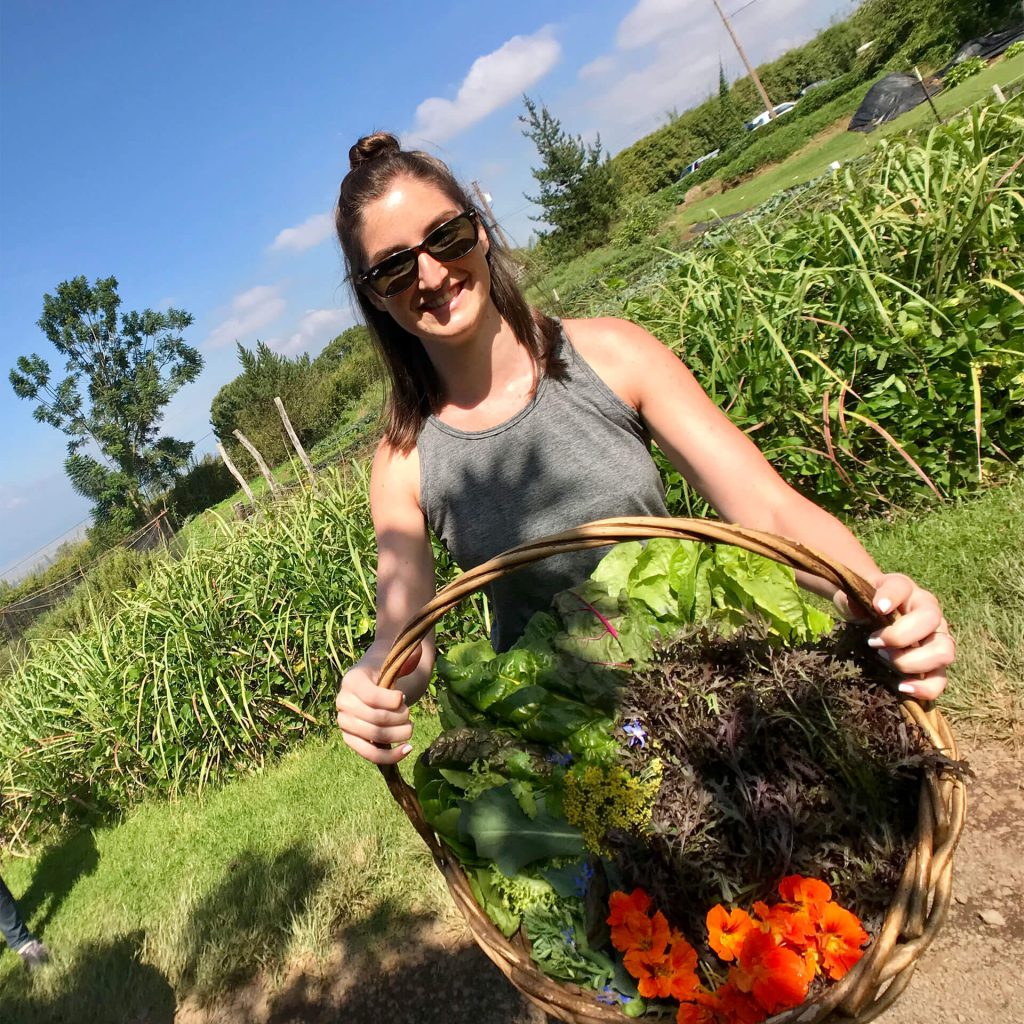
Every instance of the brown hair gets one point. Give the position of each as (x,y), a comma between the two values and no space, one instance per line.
(415,389)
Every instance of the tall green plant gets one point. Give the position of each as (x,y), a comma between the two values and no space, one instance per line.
(873,347)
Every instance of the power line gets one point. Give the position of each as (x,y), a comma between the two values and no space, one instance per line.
(750,3)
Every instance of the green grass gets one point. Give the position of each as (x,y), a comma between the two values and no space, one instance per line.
(972,556)
(815,158)
(197,897)
(200,896)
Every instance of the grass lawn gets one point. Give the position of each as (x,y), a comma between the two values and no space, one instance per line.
(200,895)
(844,146)
(197,897)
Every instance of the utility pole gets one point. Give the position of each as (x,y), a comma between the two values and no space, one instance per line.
(753,74)
(484,201)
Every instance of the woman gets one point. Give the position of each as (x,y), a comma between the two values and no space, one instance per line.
(504,425)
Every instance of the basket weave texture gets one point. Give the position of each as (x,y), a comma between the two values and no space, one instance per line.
(922,897)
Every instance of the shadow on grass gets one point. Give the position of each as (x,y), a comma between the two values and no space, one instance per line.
(57,872)
(244,925)
(105,983)
(395,967)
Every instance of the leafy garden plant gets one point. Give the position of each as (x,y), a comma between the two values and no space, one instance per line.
(959,74)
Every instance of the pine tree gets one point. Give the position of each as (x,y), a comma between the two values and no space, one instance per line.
(578,194)
(730,125)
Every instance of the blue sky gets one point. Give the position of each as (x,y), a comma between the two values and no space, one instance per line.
(193,150)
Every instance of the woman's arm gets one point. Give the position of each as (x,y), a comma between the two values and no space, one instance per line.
(727,468)
(375,722)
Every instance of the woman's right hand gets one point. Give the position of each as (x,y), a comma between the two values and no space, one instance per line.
(374,721)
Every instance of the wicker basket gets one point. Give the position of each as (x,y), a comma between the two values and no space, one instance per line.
(922,897)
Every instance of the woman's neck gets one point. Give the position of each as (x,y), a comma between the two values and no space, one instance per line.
(489,367)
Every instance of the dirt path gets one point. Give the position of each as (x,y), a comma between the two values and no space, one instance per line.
(973,974)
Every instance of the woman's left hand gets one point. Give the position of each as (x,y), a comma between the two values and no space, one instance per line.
(918,644)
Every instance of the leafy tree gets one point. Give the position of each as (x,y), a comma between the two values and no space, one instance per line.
(315,392)
(578,194)
(121,373)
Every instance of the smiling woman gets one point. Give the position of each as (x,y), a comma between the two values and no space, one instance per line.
(505,425)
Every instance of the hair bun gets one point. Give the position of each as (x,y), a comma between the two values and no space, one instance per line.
(373,147)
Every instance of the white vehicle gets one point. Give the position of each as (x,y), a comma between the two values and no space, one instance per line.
(690,168)
(764,118)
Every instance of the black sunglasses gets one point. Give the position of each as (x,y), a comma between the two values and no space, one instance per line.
(452,240)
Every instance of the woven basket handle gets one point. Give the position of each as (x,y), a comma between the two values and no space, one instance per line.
(613,531)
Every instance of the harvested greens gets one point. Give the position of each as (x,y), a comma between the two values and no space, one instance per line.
(685,727)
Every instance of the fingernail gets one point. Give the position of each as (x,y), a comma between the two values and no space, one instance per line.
(906,688)
(407,749)
(875,641)
(885,655)
(885,606)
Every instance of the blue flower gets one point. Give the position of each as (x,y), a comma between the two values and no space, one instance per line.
(610,997)
(563,760)
(635,731)
(582,880)
(569,934)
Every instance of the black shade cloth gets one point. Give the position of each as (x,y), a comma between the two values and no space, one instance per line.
(888,98)
(987,47)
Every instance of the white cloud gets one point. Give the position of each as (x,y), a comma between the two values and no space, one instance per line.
(597,68)
(315,329)
(250,311)
(10,504)
(667,54)
(650,20)
(494,80)
(310,232)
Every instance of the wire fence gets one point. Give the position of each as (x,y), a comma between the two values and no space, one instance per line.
(17,616)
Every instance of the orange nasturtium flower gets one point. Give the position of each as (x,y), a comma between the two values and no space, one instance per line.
(776,976)
(673,974)
(648,939)
(727,930)
(811,894)
(840,937)
(790,924)
(631,927)
(620,904)
(732,1004)
(696,1013)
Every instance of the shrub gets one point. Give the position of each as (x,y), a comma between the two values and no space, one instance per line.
(1014,50)
(206,484)
(962,71)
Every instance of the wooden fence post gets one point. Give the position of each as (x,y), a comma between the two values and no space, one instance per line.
(254,452)
(234,472)
(295,441)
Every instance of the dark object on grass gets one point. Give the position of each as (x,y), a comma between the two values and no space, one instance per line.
(921,899)
(987,47)
(888,98)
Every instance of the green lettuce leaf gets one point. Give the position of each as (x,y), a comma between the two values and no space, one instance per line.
(502,832)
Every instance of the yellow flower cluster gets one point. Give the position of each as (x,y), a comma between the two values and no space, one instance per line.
(599,798)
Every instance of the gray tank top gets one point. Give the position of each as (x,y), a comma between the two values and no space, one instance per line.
(575,453)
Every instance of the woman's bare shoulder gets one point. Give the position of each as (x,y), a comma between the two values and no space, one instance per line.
(617,350)
(395,475)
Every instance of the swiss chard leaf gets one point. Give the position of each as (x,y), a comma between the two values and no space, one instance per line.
(502,832)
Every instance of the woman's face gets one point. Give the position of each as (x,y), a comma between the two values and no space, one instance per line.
(448,300)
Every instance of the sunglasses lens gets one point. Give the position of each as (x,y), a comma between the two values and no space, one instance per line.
(453,240)
(391,277)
